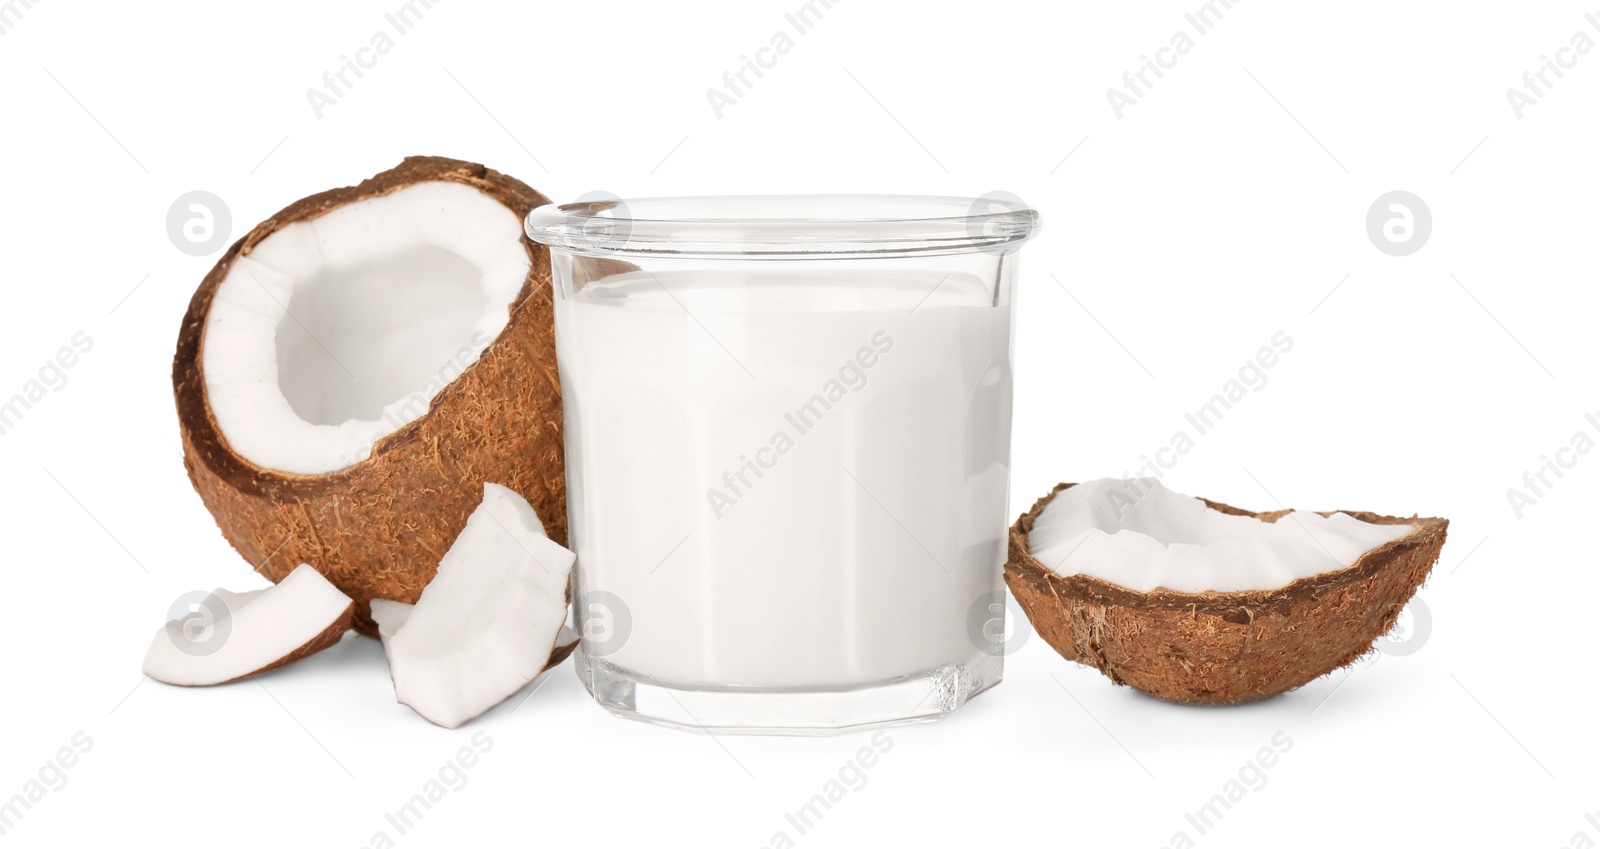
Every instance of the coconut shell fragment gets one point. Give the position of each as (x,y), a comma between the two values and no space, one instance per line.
(1217,648)
(378,528)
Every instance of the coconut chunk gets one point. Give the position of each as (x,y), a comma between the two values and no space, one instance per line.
(390,615)
(334,332)
(1143,536)
(490,620)
(245,634)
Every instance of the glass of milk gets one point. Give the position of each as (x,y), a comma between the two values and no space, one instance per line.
(788,433)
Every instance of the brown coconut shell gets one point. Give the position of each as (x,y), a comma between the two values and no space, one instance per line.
(560,653)
(1217,648)
(379,528)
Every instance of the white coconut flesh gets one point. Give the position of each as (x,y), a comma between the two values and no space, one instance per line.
(242,633)
(487,623)
(335,332)
(1142,536)
(390,615)
(236,600)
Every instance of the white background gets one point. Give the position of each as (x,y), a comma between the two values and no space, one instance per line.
(1227,205)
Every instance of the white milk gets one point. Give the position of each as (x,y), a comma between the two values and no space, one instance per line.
(791,480)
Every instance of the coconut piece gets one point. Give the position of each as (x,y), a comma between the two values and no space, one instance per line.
(352,370)
(1298,612)
(489,622)
(257,631)
(390,615)
(235,600)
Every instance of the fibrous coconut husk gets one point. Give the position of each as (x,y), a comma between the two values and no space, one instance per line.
(1217,648)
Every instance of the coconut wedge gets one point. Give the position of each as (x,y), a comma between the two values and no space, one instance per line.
(240,635)
(1206,646)
(490,621)
(390,615)
(353,369)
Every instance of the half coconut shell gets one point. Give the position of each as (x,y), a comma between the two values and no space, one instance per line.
(1217,648)
(377,529)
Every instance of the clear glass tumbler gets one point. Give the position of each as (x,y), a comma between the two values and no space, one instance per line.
(788,427)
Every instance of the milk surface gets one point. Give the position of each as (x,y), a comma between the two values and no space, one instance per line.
(787,478)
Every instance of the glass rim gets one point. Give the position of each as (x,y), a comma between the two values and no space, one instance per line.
(826,226)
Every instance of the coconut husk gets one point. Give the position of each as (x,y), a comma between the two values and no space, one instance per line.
(379,528)
(1218,648)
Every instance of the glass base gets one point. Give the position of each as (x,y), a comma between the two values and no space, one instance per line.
(922,697)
